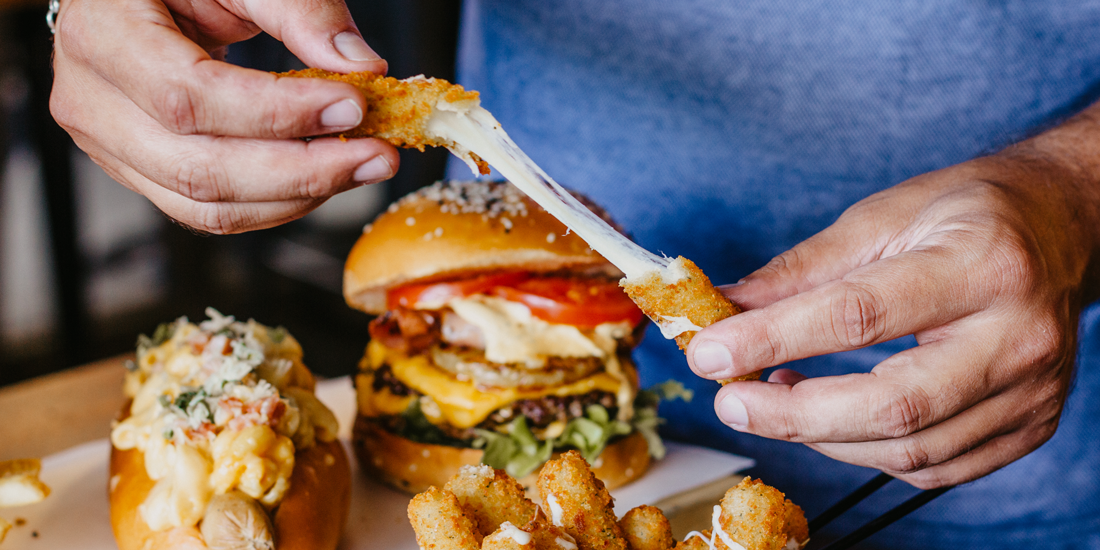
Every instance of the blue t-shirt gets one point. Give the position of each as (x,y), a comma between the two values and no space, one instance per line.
(729,131)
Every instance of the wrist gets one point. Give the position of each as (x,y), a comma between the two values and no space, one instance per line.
(1058,192)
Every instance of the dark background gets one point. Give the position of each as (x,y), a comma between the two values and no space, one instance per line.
(289,275)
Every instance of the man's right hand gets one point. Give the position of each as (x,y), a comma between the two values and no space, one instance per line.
(142,87)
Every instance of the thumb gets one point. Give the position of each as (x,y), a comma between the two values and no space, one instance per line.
(827,256)
(320,32)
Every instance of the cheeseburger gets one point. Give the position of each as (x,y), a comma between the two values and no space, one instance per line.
(500,338)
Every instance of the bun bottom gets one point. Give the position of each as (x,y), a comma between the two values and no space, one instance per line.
(412,467)
(310,517)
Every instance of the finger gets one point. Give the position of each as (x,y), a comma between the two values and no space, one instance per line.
(826,256)
(141,52)
(984,459)
(823,257)
(887,299)
(999,415)
(209,169)
(219,218)
(908,392)
(320,32)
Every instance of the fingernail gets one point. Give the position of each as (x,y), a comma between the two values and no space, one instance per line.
(343,114)
(711,357)
(352,46)
(375,169)
(732,412)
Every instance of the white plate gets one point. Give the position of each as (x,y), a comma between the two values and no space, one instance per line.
(75,514)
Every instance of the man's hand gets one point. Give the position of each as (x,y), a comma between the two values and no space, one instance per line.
(984,262)
(141,87)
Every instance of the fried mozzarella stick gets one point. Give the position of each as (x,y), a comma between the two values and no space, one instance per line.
(419,111)
(398,111)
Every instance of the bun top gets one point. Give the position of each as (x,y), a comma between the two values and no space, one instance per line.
(453,228)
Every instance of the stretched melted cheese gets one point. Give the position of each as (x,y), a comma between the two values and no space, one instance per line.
(461,404)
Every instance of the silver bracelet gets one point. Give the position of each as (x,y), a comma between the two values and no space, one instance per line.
(51,15)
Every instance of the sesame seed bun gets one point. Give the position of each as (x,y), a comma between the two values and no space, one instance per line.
(452,228)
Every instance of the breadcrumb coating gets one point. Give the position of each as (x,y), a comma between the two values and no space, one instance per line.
(759,517)
(692,297)
(441,523)
(491,497)
(577,513)
(398,110)
(580,499)
(647,528)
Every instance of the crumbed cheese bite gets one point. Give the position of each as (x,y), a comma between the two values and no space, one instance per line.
(501,337)
(484,509)
(224,444)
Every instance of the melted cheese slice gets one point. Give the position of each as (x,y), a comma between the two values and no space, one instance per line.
(513,335)
(461,404)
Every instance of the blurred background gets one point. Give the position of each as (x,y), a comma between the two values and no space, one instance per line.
(86,265)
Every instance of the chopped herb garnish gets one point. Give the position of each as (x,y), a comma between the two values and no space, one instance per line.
(162,334)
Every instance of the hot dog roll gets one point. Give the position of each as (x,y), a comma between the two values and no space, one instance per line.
(224,445)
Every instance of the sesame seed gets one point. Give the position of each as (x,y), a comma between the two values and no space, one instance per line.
(410,221)
(551,238)
(492,199)
(438,232)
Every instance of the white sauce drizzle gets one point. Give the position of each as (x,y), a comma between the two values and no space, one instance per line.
(716,531)
(474,130)
(555,510)
(672,327)
(521,537)
(566,544)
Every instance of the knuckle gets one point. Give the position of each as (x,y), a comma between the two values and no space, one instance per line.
(1049,340)
(906,456)
(783,265)
(281,124)
(217,219)
(902,413)
(790,430)
(315,186)
(198,178)
(179,109)
(1013,264)
(857,319)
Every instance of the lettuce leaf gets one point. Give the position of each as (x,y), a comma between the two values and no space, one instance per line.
(519,453)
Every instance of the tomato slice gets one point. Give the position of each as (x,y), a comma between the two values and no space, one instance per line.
(435,294)
(582,303)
